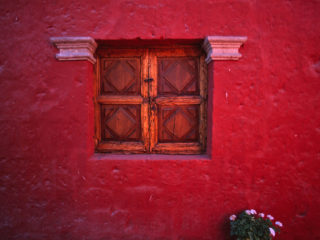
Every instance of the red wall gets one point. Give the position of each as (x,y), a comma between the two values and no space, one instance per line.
(266,131)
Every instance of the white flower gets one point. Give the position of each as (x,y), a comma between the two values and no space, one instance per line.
(270,217)
(278,223)
(232,217)
(273,233)
(261,215)
(248,212)
(253,211)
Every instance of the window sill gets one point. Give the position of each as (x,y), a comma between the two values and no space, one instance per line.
(148,157)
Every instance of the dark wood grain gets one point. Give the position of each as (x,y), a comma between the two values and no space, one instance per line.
(120,76)
(121,122)
(178,76)
(178,123)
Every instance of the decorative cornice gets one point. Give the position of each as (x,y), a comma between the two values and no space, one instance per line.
(75,48)
(223,47)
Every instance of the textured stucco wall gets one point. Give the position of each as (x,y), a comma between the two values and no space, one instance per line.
(266,130)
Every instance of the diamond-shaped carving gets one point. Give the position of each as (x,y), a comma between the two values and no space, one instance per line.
(178,124)
(178,75)
(120,122)
(120,75)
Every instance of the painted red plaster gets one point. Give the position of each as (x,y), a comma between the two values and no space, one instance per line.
(264,108)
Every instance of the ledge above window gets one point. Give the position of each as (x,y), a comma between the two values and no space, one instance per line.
(83,48)
(75,48)
(223,47)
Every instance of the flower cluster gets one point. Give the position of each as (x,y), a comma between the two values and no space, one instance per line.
(251,225)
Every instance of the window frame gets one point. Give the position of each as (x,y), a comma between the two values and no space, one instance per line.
(148,59)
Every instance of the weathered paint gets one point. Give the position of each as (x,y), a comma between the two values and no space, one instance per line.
(265,137)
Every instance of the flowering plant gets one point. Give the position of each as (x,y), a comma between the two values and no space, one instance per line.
(250,225)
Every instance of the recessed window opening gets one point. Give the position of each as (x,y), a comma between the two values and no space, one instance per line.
(151,97)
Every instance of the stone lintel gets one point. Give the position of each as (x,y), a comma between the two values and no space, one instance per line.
(75,48)
(223,47)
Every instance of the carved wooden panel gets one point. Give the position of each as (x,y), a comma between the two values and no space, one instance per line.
(120,76)
(178,123)
(121,122)
(178,76)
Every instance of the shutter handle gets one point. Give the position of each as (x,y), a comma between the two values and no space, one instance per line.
(148,80)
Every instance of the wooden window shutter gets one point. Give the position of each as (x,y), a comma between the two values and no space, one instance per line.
(119,107)
(151,100)
(180,101)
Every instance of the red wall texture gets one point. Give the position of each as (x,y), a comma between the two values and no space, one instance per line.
(266,131)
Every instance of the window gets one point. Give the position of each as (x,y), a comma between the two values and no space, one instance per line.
(152,116)
(151,100)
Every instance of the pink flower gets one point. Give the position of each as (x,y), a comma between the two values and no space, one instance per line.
(270,217)
(232,217)
(261,215)
(253,211)
(248,212)
(278,223)
(272,232)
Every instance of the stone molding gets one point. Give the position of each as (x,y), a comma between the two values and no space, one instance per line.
(223,47)
(75,48)
(83,48)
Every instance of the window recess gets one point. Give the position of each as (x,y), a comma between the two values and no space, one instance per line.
(151,100)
